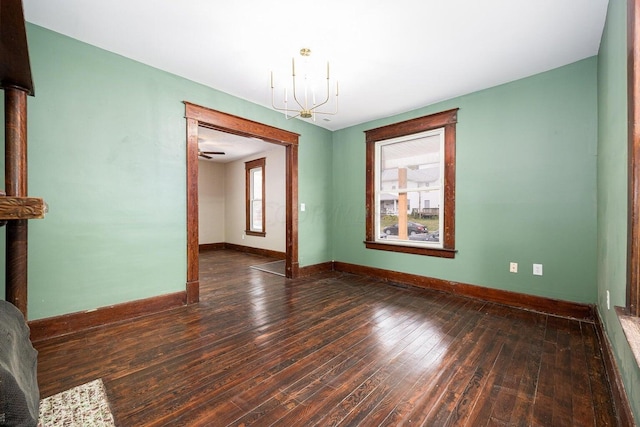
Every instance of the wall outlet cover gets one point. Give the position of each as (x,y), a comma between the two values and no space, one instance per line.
(537,269)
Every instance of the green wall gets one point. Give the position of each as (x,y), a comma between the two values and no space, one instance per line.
(525,188)
(612,191)
(107,153)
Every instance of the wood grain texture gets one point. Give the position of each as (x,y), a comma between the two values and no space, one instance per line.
(225,122)
(633,156)
(291,205)
(192,211)
(21,208)
(15,69)
(15,178)
(16,264)
(335,349)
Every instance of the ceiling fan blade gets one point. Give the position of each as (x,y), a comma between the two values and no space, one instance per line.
(204,156)
(214,152)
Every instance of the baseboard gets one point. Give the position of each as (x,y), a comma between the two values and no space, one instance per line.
(74,322)
(245,249)
(256,251)
(545,305)
(310,270)
(211,247)
(618,393)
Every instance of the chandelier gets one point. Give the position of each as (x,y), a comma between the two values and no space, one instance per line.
(303,93)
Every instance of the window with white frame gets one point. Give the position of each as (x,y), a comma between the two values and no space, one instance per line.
(409,172)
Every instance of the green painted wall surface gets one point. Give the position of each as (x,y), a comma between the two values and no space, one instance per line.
(612,191)
(107,153)
(525,188)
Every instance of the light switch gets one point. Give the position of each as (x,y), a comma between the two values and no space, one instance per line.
(537,269)
(303,207)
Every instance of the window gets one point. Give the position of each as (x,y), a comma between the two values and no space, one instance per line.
(412,163)
(255,197)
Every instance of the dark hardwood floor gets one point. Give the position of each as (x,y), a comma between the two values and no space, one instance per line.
(335,349)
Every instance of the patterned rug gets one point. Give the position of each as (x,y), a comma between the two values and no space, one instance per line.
(82,406)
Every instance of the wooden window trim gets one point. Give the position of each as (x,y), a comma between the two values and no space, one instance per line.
(248,166)
(447,120)
(633,96)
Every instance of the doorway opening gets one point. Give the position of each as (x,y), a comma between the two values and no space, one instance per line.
(201,116)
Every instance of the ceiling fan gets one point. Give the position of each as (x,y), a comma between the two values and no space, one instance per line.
(206,154)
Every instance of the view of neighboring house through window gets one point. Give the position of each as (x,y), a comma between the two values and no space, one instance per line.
(255,197)
(409,173)
(411,186)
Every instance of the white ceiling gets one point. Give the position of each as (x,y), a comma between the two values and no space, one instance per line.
(389,57)
(234,147)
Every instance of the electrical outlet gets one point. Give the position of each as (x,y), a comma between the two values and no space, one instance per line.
(608,300)
(537,269)
(513,267)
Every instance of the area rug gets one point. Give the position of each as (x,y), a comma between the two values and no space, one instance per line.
(82,406)
(275,267)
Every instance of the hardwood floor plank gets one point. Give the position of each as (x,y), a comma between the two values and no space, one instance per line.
(277,352)
(499,381)
(334,349)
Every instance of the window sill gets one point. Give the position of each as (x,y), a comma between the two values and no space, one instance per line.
(255,233)
(435,252)
(631,328)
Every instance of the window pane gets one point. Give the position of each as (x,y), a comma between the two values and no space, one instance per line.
(413,163)
(422,223)
(256,188)
(256,215)
(409,189)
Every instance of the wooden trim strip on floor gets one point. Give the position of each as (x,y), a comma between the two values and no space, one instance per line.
(618,392)
(68,323)
(211,247)
(310,270)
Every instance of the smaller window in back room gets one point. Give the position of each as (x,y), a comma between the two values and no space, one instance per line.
(255,197)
